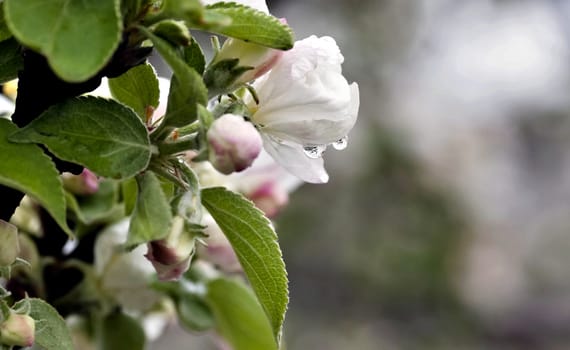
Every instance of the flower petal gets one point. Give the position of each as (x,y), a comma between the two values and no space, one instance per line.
(311,125)
(292,157)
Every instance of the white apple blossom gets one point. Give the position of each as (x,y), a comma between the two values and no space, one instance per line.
(124,275)
(305,104)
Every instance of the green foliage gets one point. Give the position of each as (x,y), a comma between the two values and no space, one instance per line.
(4,30)
(252,26)
(194,56)
(173,31)
(142,174)
(101,206)
(191,307)
(120,332)
(221,77)
(256,247)
(77,37)
(194,313)
(151,216)
(51,331)
(239,317)
(102,135)
(137,88)
(187,10)
(27,169)
(186,89)
(11,60)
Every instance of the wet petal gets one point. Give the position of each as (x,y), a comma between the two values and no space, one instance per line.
(292,157)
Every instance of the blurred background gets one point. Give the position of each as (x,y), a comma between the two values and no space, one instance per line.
(446,222)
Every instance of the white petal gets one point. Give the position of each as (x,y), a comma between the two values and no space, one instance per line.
(6,106)
(323,93)
(314,125)
(292,157)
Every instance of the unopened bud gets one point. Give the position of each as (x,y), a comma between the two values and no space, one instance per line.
(171,256)
(234,143)
(17,330)
(83,184)
(9,245)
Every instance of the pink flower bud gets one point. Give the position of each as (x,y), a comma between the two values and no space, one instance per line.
(234,143)
(171,256)
(83,184)
(17,330)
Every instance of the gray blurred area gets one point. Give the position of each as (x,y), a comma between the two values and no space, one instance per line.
(446,223)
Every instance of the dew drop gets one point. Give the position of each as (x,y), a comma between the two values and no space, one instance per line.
(314,151)
(341,144)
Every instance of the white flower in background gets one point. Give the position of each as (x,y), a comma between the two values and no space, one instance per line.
(265,183)
(305,104)
(233,143)
(124,275)
(218,249)
(6,106)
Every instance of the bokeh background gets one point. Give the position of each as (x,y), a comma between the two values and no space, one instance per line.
(446,223)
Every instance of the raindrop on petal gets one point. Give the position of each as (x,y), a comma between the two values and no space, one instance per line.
(341,144)
(314,151)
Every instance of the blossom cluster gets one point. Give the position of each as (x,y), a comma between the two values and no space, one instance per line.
(261,137)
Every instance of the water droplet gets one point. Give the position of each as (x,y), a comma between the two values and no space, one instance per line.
(314,151)
(341,144)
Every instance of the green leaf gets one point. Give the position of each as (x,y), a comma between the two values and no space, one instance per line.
(152,216)
(256,247)
(239,317)
(129,193)
(194,313)
(221,77)
(251,25)
(77,37)
(173,31)
(194,56)
(4,30)
(100,206)
(120,332)
(188,10)
(103,135)
(27,169)
(11,60)
(186,87)
(51,331)
(137,88)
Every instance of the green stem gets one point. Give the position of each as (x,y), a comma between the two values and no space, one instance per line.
(161,132)
(181,145)
(189,129)
(168,176)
